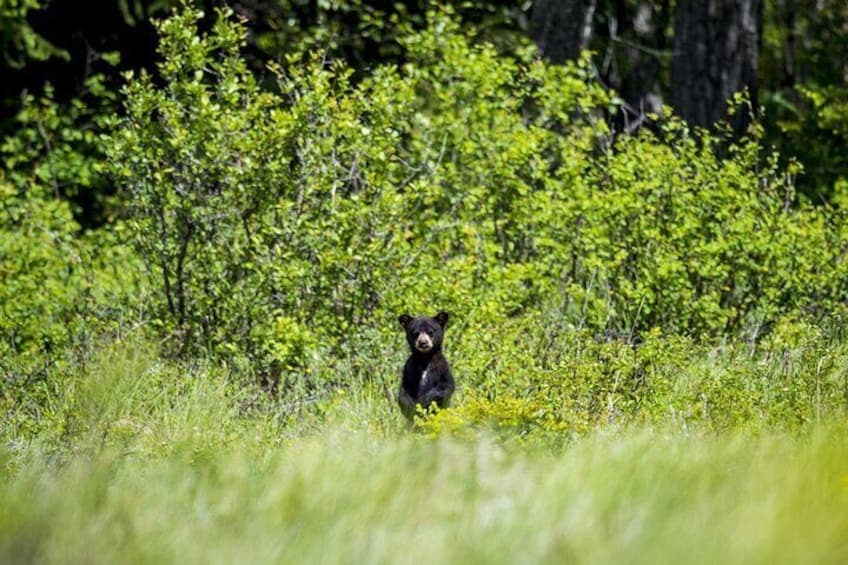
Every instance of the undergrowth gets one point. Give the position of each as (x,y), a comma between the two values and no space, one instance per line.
(144,461)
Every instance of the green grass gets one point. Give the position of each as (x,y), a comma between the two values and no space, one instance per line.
(146,462)
(352,497)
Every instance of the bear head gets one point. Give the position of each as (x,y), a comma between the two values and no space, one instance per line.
(423,333)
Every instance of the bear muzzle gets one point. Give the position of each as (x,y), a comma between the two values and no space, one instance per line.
(423,343)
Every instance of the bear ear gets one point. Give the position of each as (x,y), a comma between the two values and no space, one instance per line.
(404,320)
(442,318)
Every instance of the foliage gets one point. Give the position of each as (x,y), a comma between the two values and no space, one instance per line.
(18,40)
(61,288)
(60,148)
(803,63)
(705,245)
(365,32)
(37,240)
(534,378)
(278,224)
(59,292)
(254,206)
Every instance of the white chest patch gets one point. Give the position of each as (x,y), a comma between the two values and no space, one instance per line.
(423,382)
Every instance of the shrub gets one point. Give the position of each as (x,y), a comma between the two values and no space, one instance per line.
(315,207)
(279,222)
(61,287)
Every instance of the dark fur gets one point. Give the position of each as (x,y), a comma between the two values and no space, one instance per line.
(439,385)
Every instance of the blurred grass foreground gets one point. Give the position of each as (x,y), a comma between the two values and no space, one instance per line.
(158,465)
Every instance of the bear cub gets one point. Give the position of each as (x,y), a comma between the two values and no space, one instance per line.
(426,375)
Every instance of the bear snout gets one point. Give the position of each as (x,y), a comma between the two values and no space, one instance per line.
(423,343)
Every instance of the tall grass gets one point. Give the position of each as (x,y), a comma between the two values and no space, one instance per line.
(354,497)
(154,463)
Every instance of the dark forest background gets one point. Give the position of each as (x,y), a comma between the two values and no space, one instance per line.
(789,56)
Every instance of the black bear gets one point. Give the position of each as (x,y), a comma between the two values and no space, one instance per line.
(426,375)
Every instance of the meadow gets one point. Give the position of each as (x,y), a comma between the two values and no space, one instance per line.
(146,462)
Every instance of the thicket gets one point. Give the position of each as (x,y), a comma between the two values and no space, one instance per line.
(281,229)
(466,179)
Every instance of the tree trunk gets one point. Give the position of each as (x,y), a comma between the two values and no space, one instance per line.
(636,57)
(561,28)
(715,47)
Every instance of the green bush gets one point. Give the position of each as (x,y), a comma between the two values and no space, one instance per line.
(60,293)
(270,217)
(62,288)
(535,378)
(673,236)
(19,42)
(280,222)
